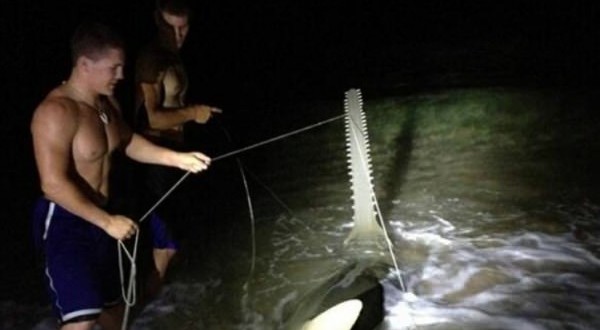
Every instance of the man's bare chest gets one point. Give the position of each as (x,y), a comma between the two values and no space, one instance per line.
(174,82)
(94,140)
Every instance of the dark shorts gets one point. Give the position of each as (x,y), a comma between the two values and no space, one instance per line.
(81,264)
(162,238)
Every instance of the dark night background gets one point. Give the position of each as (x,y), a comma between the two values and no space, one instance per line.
(256,58)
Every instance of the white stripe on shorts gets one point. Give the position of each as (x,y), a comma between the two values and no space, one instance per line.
(83,312)
(48,219)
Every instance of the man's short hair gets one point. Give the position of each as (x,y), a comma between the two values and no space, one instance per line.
(92,40)
(174,7)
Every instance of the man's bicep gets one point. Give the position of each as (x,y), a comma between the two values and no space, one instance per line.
(148,67)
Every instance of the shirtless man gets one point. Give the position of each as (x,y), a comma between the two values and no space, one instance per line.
(161,112)
(76,129)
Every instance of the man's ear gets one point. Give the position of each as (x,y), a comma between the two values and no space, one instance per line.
(84,63)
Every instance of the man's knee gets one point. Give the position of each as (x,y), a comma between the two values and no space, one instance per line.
(84,322)
(162,258)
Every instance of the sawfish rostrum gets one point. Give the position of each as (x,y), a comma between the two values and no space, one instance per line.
(366,230)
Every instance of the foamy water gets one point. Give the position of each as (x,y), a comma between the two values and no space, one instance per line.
(526,281)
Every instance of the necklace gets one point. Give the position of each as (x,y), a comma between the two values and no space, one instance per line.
(103,115)
(100,110)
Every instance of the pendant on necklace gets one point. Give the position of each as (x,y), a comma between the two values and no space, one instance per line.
(103,116)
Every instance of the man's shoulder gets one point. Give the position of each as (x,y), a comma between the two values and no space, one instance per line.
(56,105)
(150,62)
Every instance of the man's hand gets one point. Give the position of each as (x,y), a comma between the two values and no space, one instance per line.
(120,227)
(202,113)
(192,161)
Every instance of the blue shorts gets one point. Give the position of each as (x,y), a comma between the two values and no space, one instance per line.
(81,263)
(162,238)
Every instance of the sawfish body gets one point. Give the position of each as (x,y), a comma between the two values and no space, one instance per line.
(353,297)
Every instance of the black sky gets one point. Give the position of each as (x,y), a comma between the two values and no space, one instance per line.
(264,50)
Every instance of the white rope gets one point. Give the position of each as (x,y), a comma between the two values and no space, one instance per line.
(280,137)
(271,192)
(130,296)
(252,221)
(250,211)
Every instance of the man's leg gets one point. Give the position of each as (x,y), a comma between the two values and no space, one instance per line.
(83,325)
(162,258)
(164,248)
(70,269)
(156,277)
(164,245)
(111,318)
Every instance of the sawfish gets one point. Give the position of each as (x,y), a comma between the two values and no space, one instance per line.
(352,298)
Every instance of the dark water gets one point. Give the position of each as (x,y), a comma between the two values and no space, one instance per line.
(489,196)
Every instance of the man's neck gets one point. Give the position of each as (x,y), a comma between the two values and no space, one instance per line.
(80,90)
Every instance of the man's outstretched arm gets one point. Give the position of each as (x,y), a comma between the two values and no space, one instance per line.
(144,151)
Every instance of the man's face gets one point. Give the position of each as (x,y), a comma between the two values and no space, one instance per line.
(180,26)
(106,71)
